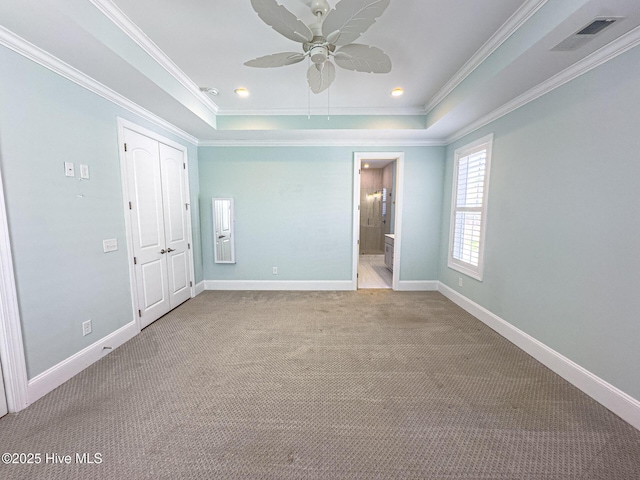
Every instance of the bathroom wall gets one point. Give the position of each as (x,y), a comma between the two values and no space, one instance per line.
(371,226)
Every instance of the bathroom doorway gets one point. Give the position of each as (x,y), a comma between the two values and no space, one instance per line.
(376,219)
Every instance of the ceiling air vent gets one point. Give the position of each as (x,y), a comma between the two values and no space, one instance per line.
(585,34)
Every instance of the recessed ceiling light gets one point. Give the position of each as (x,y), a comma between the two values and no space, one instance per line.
(242,92)
(396,92)
(366,165)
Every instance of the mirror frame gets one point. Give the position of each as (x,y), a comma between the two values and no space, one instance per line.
(216,229)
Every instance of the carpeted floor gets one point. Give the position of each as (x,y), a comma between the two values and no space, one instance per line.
(371,384)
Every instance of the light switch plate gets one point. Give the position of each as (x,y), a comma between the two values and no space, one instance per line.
(84,171)
(110,245)
(86,328)
(69,170)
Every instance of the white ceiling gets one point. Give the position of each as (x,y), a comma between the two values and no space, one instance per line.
(210,41)
(158,52)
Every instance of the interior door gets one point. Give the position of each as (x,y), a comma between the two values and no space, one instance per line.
(159,222)
(175,224)
(147,221)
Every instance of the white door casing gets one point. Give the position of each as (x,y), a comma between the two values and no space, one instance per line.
(159,224)
(3,398)
(13,368)
(358,158)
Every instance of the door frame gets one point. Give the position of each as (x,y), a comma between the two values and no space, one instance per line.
(122,124)
(12,354)
(358,158)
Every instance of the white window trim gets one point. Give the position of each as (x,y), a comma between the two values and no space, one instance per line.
(459,266)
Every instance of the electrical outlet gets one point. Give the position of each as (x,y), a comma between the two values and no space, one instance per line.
(275,270)
(459,281)
(86,328)
(84,171)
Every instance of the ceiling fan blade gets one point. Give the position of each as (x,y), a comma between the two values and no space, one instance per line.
(275,60)
(363,58)
(321,76)
(350,19)
(282,20)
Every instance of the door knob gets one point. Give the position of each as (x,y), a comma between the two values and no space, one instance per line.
(163,251)
(169,250)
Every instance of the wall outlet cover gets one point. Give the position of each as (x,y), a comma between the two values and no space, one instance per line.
(84,171)
(110,245)
(86,328)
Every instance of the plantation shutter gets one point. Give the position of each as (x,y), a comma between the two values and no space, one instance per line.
(467,232)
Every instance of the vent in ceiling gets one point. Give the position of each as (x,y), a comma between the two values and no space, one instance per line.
(585,34)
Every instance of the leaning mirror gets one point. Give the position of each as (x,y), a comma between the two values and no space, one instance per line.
(224,251)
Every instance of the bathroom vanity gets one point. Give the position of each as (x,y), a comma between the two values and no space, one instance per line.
(389,239)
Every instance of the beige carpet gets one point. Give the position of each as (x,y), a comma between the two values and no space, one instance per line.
(371,384)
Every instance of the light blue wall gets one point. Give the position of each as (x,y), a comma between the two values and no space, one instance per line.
(563,227)
(294,210)
(63,277)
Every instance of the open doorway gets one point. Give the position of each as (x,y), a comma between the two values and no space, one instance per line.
(377,195)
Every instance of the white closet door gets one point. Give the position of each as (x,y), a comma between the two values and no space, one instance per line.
(175,226)
(148,226)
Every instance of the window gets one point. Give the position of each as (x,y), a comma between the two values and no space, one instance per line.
(469,207)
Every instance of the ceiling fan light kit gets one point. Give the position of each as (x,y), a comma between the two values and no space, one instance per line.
(330,36)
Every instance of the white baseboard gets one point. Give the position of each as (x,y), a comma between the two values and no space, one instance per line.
(620,403)
(278,285)
(418,286)
(52,378)
(199,288)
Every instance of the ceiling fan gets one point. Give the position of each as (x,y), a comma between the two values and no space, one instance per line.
(331,35)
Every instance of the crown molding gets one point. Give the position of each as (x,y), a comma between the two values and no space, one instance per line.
(124,23)
(608,52)
(514,22)
(323,138)
(45,59)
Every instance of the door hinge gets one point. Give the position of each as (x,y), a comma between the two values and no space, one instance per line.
(130,206)
(184,166)
(358,171)
(358,242)
(139,313)
(191,284)
(135,261)
(186,206)
(357,275)
(125,147)
(189,246)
